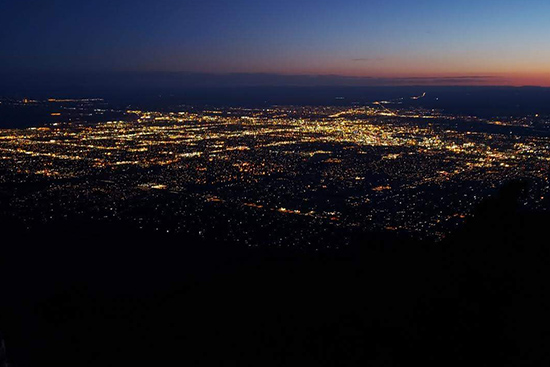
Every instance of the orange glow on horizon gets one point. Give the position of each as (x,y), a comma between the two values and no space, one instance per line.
(514,79)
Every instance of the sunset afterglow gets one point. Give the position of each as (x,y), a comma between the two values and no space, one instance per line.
(414,42)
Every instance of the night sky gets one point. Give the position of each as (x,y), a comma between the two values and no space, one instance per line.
(491,42)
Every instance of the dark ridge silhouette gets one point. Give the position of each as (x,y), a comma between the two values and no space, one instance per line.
(3,357)
(88,294)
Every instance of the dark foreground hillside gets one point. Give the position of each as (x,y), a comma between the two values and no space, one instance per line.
(83,294)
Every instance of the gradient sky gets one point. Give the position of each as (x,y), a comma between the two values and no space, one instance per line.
(497,41)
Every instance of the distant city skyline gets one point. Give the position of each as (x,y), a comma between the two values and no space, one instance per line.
(392,42)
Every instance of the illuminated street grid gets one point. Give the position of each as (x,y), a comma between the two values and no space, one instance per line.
(313,169)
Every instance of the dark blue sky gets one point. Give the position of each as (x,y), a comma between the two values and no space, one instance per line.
(507,40)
